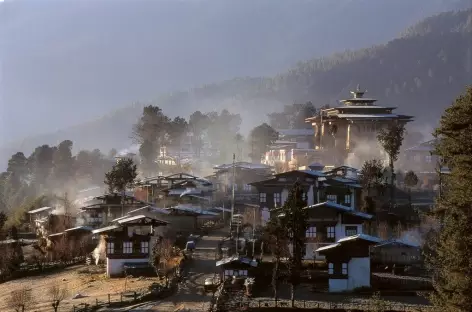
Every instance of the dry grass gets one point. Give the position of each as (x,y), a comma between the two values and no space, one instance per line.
(89,281)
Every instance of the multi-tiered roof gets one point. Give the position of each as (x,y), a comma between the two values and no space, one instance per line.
(359,107)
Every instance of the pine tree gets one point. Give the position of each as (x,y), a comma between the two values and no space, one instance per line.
(451,249)
(391,139)
(295,221)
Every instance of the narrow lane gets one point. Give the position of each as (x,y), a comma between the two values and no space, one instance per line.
(191,296)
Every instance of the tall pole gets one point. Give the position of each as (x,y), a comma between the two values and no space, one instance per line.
(232,195)
(254,234)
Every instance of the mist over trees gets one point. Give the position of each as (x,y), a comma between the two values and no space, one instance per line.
(418,72)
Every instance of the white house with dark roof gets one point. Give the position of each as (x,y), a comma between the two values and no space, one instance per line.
(349,262)
(128,242)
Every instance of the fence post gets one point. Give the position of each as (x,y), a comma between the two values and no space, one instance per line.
(73,308)
(108,298)
(121,297)
(135,296)
(96,302)
(304,304)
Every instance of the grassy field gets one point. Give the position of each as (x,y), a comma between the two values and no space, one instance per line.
(89,281)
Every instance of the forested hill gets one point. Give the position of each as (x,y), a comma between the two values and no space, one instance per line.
(421,72)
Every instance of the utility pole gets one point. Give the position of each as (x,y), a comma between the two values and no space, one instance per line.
(232,196)
(254,234)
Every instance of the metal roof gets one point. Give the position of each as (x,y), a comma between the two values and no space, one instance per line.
(234,258)
(139,217)
(367,115)
(196,210)
(345,209)
(328,247)
(105,229)
(301,132)
(365,237)
(40,209)
(396,242)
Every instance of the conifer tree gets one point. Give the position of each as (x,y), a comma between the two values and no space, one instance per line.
(450,251)
(295,220)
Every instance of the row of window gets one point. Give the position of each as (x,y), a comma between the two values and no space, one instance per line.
(230,273)
(278,197)
(427,158)
(343,268)
(246,187)
(128,247)
(350,230)
(334,198)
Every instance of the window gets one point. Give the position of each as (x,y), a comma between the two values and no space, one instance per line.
(330,231)
(304,196)
(263,197)
(228,273)
(311,232)
(330,268)
(344,268)
(110,248)
(351,230)
(242,273)
(332,198)
(247,187)
(276,198)
(145,247)
(127,247)
(235,187)
(428,158)
(347,199)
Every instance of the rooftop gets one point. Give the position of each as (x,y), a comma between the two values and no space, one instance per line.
(242,165)
(235,258)
(295,132)
(340,242)
(40,210)
(341,208)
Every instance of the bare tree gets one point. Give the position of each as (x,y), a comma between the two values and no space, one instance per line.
(162,254)
(20,299)
(57,295)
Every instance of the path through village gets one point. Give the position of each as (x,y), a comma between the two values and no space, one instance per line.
(190,295)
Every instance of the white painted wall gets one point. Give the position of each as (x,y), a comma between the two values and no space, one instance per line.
(337,285)
(283,196)
(115,266)
(340,229)
(359,273)
(265,216)
(310,197)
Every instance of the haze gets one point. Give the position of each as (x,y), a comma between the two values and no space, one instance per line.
(68,62)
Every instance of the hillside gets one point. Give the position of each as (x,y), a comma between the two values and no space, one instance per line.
(66,62)
(420,72)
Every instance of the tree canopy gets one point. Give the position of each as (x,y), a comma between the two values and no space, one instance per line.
(449,257)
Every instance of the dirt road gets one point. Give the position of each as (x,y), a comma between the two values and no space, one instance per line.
(190,295)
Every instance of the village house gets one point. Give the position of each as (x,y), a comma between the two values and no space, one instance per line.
(236,266)
(337,130)
(293,149)
(333,203)
(349,262)
(423,161)
(102,209)
(128,242)
(244,174)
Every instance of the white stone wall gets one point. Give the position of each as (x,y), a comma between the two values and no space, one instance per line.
(358,276)
(359,273)
(115,266)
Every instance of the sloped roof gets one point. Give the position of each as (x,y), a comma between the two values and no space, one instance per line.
(341,208)
(235,258)
(140,218)
(395,242)
(293,132)
(106,229)
(40,210)
(340,242)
